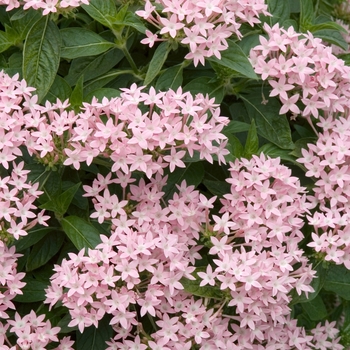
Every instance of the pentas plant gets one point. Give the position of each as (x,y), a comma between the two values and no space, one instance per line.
(158,189)
(304,73)
(203,26)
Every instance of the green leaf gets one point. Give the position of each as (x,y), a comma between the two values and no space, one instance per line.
(128,19)
(327,25)
(333,37)
(338,281)
(217,188)
(307,14)
(93,66)
(80,42)
(156,64)
(103,11)
(234,146)
(315,309)
(80,232)
(5,41)
(236,126)
(171,78)
(206,85)
(34,236)
(76,98)
(101,93)
(41,55)
(280,11)
(60,89)
(193,286)
(44,250)
(60,203)
(274,151)
(235,59)
(270,124)
(33,291)
(252,143)
(23,20)
(95,338)
(193,174)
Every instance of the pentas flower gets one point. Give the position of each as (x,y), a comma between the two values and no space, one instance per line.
(147,131)
(18,212)
(254,247)
(304,73)
(32,332)
(327,163)
(48,6)
(203,26)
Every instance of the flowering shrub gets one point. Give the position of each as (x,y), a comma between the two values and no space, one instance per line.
(149,202)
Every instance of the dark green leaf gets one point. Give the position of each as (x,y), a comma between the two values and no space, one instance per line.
(80,232)
(76,98)
(101,93)
(270,124)
(93,66)
(5,41)
(338,281)
(80,42)
(34,236)
(274,151)
(206,85)
(234,146)
(33,291)
(171,78)
(252,142)
(156,64)
(23,20)
(44,250)
(193,286)
(60,203)
(95,338)
(236,126)
(235,59)
(41,55)
(315,309)
(217,188)
(307,14)
(193,174)
(333,37)
(60,89)
(130,20)
(103,11)
(280,11)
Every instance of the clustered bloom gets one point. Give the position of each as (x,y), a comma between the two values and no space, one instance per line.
(147,131)
(204,25)
(142,267)
(327,162)
(48,6)
(33,332)
(304,73)
(17,208)
(10,279)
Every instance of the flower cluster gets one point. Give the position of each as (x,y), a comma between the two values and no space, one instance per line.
(327,162)
(255,251)
(204,25)
(17,208)
(48,6)
(147,132)
(302,72)
(33,332)
(10,280)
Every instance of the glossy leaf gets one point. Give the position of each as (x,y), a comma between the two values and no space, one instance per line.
(33,291)
(60,89)
(235,59)
(44,250)
(171,78)
(34,236)
(41,55)
(80,232)
(315,309)
(79,42)
(269,123)
(103,11)
(156,64)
